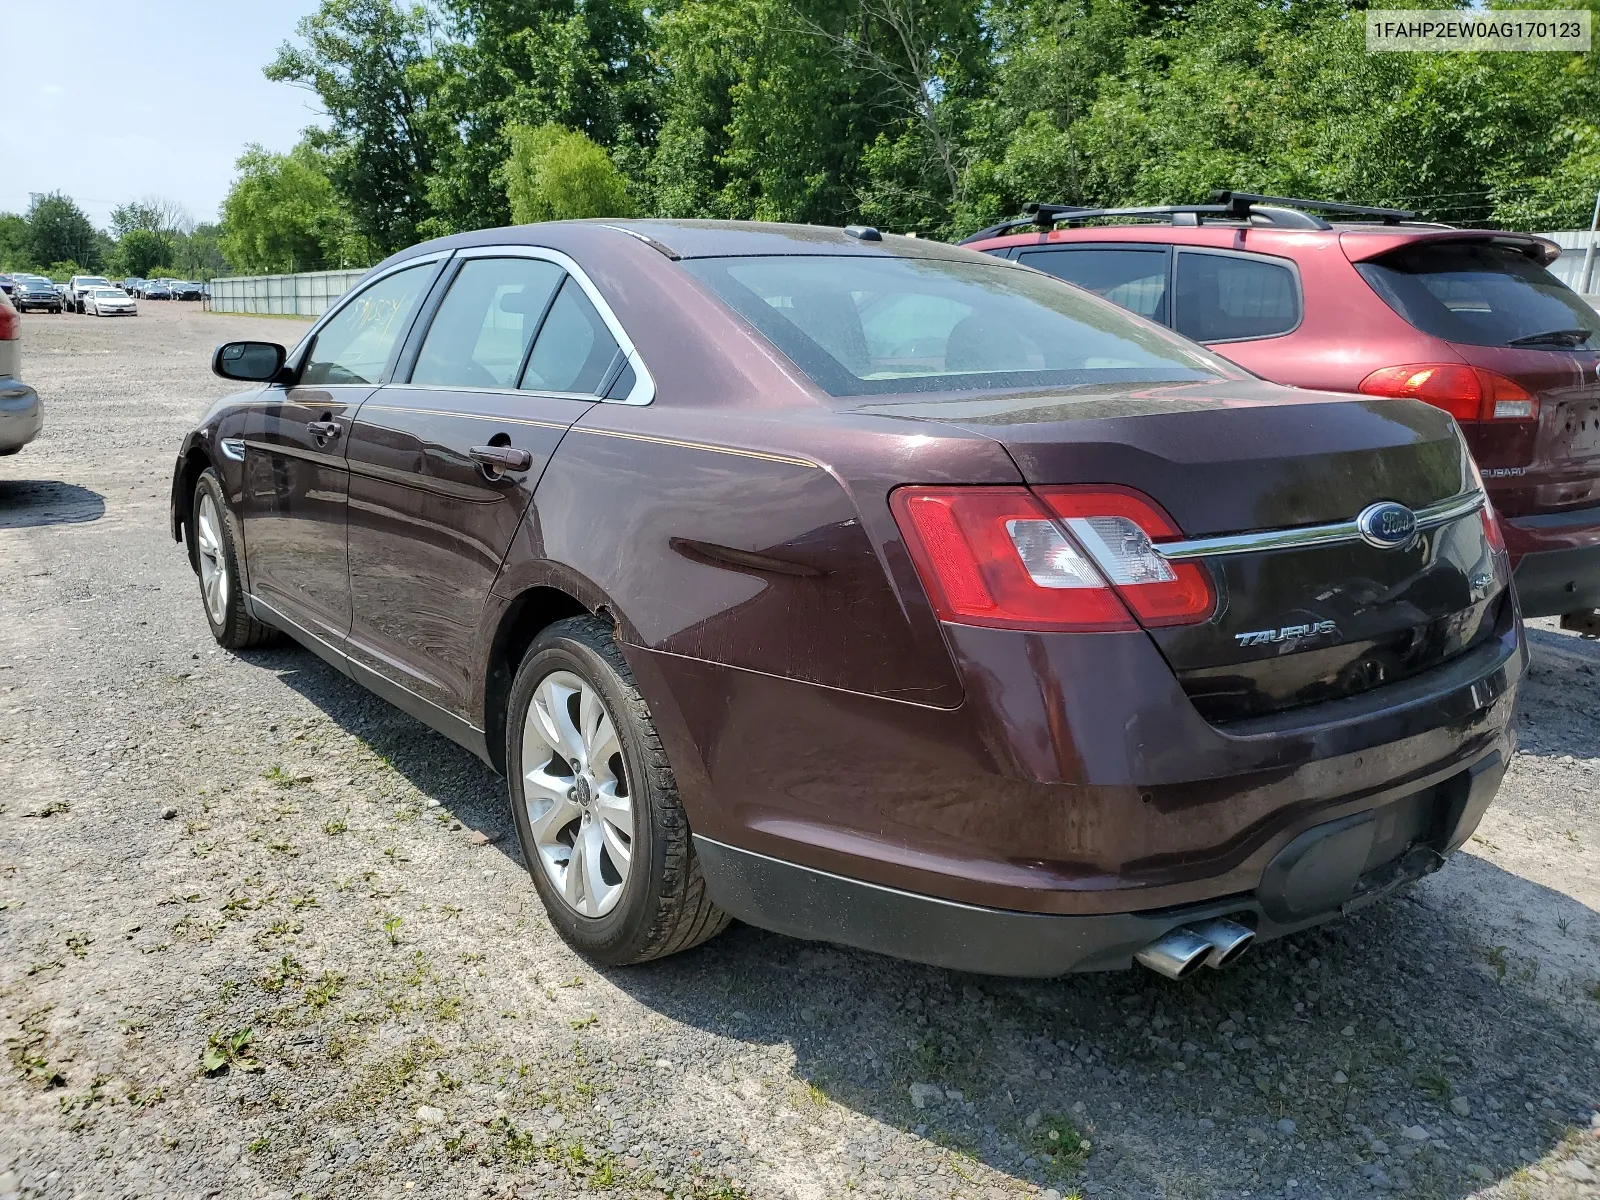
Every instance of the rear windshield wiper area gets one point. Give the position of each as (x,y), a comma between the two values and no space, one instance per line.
(1553,337)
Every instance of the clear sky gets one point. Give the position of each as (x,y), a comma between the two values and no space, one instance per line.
(111,101)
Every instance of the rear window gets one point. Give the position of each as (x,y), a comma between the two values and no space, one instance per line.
(873,326)
(1481,294)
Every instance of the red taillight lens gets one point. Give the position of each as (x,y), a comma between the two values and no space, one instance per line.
(1466,393)
(1119,528)
(10,322)
(1491,529)
(994,556)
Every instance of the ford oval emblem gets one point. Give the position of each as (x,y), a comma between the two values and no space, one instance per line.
(1387,525)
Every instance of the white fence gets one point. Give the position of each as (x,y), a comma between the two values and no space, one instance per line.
(1569,267)
(307,295)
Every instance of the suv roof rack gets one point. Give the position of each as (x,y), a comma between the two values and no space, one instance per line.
(1284,212)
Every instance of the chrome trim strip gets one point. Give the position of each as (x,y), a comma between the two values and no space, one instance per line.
(763,455)
(644,387)
(1430,517)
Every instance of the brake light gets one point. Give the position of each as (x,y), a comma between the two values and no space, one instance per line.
(997,556)
(1466,393)
(10,322)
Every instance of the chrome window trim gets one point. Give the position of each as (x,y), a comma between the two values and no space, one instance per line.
(644,385)
(1430,517)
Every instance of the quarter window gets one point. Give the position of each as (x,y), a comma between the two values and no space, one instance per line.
(1228,297)
(1135,279)
(354,346)
(574,351)
(482,330)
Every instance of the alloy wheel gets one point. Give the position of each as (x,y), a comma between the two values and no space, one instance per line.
(213,560)
(576,788)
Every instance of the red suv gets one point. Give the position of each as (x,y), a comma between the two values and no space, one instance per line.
(1378,303)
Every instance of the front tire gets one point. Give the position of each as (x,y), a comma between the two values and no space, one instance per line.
(215,546)
(602,829)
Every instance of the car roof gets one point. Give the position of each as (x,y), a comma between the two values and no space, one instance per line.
(1361,240)
(698,239)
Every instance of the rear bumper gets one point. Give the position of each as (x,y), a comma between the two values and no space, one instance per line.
(1557,557)
(1076,780)
(21,415)
(1326,871)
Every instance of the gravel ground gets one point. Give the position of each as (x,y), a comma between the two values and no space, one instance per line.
(245,862)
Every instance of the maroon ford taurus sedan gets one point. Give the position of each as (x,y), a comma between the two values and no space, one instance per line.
(871,590)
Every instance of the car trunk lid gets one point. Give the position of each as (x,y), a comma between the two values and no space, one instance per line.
(1296,624)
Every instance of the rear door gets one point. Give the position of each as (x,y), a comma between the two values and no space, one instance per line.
(443,464)
(296,483)
(1500,310)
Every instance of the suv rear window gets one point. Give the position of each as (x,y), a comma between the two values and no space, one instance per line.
(1480,294)
(873,326)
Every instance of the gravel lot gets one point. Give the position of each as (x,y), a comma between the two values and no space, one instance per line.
(248,855)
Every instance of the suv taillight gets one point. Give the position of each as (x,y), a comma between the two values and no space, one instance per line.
(1466,393)
(1068,558)
(10,322)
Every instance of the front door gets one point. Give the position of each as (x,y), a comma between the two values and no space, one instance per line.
(443,465)
(296,481)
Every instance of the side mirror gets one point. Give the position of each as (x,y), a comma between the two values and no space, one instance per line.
(252,362)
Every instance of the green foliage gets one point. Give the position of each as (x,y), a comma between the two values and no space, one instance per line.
(934,116)
(372,64)
(59,232)
(282,214)
(140,252)
(557,174)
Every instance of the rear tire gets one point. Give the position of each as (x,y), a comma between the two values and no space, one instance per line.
(656,903)
(214,543)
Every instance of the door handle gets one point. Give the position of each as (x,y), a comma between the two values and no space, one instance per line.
(501,458)
(323,430)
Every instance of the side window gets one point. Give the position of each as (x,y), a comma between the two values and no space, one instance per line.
(1225,297)
(355,346)
(1135,279)
(574,351)
(481,332)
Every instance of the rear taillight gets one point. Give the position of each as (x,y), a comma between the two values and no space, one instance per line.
(1119,528)
(10,322)
(1001,556)
(1466,393)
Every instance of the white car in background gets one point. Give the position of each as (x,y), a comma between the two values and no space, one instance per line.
(110,302)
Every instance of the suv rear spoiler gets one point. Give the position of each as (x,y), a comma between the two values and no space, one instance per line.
(1364,245)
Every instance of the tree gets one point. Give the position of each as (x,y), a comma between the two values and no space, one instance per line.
(141,251)
(58,231)
(152,214)
(15,247)
(557,174)
(372,64)
(282,214)
(584,64)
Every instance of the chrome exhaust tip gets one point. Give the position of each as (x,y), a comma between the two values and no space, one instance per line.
(1228,939)
(1176,954)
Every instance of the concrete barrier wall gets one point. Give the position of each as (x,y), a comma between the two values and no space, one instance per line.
(306,295)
